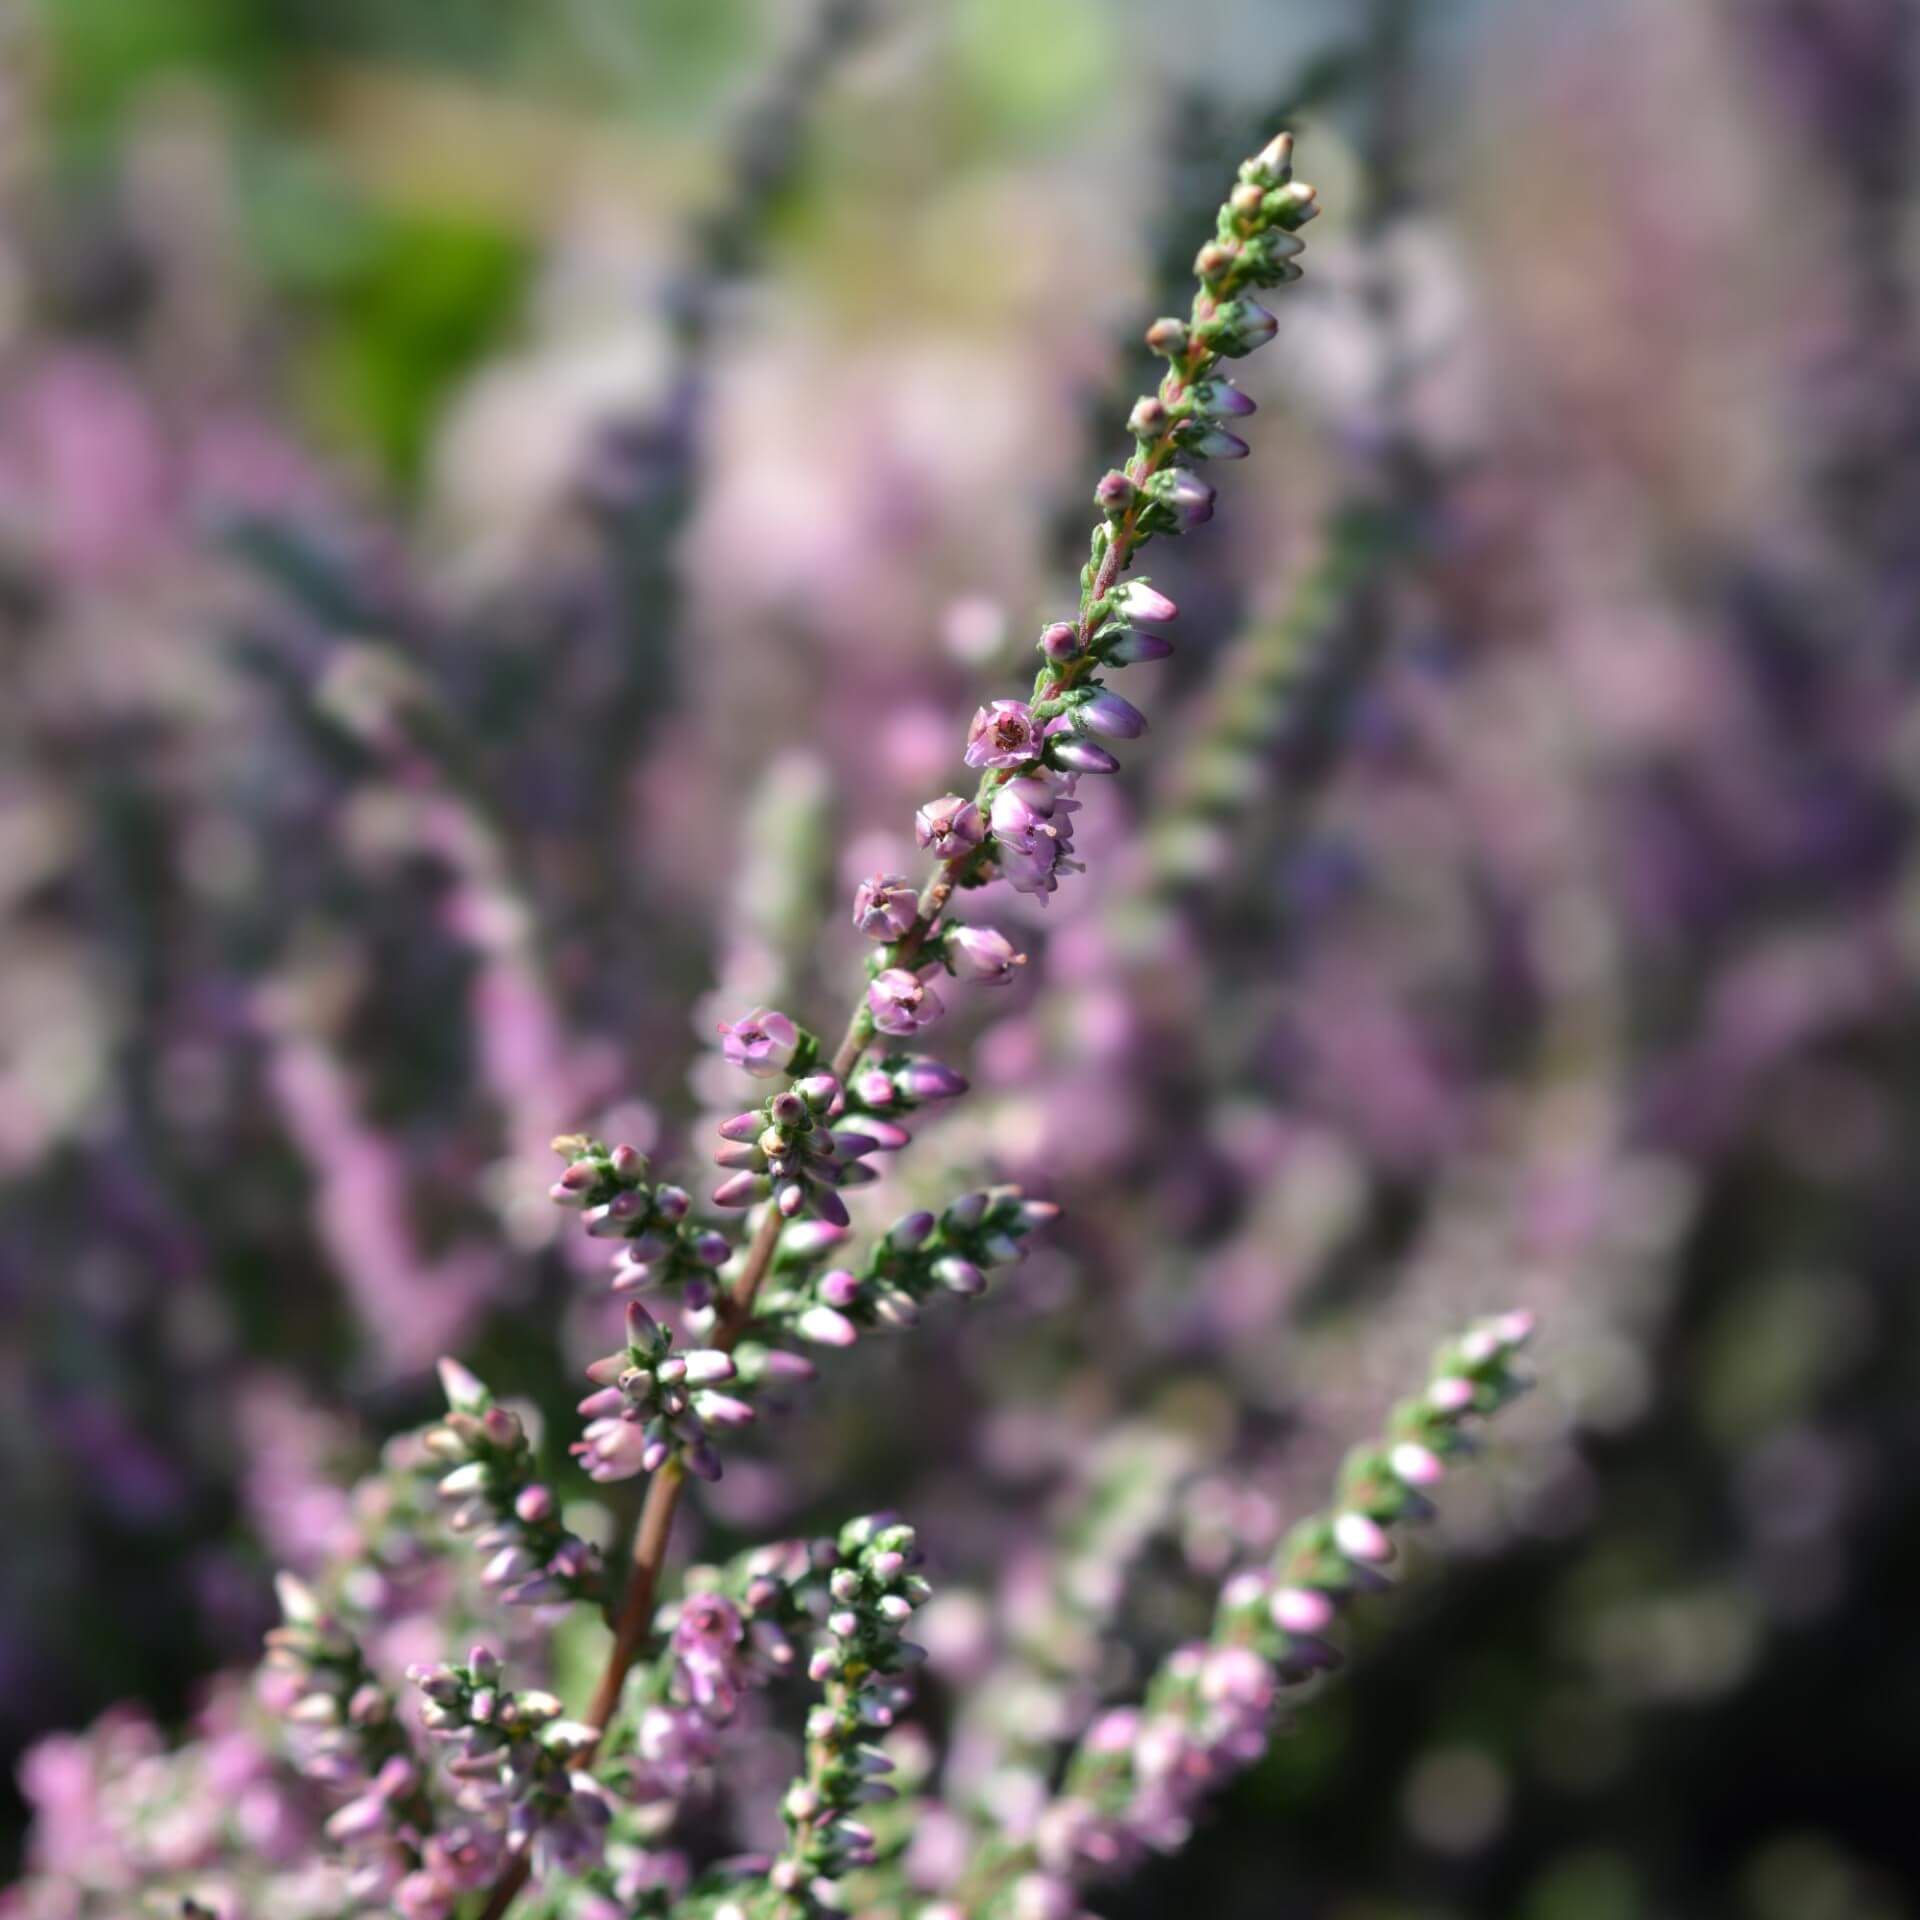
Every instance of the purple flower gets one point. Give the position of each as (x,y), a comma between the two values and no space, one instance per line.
(762,1042)
(1362,1538)
(1301,1610)
(1080,755)
(1185,495)
(707,1654)
(1107,713)
(1416,1466)
(1143,606)
(949,827)
(924,1079)
(1130,648)
(1033,833)
(1241,326)
(826,1327)
(885,906)
(1221,399)
(902,1002)
(982,953)
(1004,734)
(1216,443)
(613,1449)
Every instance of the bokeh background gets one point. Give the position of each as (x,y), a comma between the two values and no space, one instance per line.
(503,509)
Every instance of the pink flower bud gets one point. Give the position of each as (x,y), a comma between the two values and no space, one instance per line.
(1301,1610)
(1221,400)
(1080,755)
(826,1328)
(1514,1329)
(1143,606)
(1107,713)
(1362,1539)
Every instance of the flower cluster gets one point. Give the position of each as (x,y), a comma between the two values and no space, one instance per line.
(861,1662)
(1032,752)
(345,1733)
(791,1149)
(1139,1773)
(524,1788)
(491,1491)
(651,1404)
(517,1761)
(918,1258)
(216,1818)
(735,1629)
(660,1243)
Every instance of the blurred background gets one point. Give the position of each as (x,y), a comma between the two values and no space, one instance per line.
(503,512)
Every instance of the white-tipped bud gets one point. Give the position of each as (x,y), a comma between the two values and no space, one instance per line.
(1363,1539)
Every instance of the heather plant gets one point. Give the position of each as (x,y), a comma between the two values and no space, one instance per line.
(462,1787)
(1509,898)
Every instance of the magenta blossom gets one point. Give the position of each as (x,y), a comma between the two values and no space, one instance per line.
(949,827)
(902,1002)
(613,1449)
(1143,606)
(762,1042)
(1107,713)
(707,1652)
(1004,734)
(885,906)
(1033,833)
(982,953)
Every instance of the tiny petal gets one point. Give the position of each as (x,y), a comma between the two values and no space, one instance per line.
(1003,734)
(1221,400)
(1301,1610)
(1130,648)
(722,1409)
(1143,606)
(762,1042)
(1185,494)
(1514,1329)
(1107,713)
(924,1079)
(949,827)
(840,1288)
(885,906)
(827,1328)
(1216,443)
(739,1190)
(1362,1539)
(465,1391)
(982,953)
(902,1002)
(1080,755)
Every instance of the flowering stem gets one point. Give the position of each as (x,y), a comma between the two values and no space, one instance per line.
(652,1536)
(1254,249)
